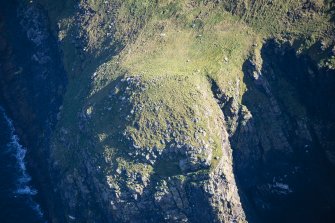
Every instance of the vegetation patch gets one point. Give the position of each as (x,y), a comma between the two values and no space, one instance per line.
(139,72)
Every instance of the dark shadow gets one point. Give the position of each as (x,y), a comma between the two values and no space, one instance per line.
(280,164)
(32,83)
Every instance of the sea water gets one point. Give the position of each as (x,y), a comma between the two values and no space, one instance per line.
(17,202)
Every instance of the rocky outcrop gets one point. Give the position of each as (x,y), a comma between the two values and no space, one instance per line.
(148,184)
(263,155)
(276,149)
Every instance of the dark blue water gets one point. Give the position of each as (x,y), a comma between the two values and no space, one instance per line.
(16,193)
(33,50)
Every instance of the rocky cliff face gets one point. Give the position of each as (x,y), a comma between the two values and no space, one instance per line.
(32,83)
(281,143)
(175,111)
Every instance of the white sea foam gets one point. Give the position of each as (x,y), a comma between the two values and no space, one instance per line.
(27,190)
(23,187)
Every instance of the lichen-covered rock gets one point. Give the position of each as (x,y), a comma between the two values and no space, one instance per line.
(175,111)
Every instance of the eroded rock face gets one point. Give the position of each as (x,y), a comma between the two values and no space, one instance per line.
(277,151)
(176,183)
(32,80)
(217,159)
(273,160)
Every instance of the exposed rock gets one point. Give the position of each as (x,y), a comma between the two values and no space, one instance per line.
(135,146)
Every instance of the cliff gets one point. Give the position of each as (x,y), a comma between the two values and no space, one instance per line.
(176,111)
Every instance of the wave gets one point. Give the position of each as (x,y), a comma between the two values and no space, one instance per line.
(23,187)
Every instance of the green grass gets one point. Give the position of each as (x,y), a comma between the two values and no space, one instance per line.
(291,20)
(173,47)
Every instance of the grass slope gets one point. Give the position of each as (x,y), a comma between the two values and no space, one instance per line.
(139,71)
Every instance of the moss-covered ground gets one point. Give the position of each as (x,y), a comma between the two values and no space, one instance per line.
(138,70)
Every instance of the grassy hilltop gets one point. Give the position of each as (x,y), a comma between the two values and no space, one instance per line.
(140,72)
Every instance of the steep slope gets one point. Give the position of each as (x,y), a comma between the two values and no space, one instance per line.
(154,129)
(194,111)
(155,138)
(32,81)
